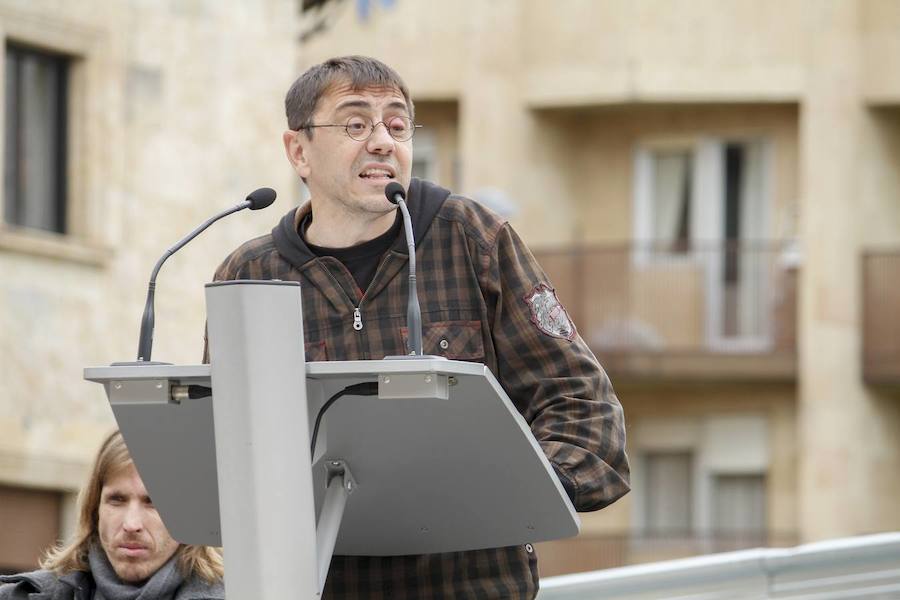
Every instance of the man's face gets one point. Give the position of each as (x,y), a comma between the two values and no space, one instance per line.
(344,173)
(131,532)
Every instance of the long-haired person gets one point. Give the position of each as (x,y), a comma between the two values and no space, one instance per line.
(122,549)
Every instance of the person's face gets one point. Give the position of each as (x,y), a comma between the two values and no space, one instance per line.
(131,531)
(346,173)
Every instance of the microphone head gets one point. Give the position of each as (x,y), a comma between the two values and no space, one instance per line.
(392,190)
(261,198)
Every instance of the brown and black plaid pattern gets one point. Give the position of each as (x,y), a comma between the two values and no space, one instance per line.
(474,274)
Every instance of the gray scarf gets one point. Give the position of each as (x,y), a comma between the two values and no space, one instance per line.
(162,585)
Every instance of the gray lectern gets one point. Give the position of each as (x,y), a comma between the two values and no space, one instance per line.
(438,461)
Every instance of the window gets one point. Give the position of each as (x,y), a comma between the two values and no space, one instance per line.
(671,198)
(709,190)
(34,169)
(739,504)
(739,511)
(424,164)
(669,482)
(702,477)
(703,205)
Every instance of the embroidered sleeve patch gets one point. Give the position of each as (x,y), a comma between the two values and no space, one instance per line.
(548,314)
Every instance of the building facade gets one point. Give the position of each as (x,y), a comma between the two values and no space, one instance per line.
(126,124)
(712,188)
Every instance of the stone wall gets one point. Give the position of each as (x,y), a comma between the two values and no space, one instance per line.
(176,113)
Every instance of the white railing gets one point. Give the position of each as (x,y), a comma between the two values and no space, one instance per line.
(866,567)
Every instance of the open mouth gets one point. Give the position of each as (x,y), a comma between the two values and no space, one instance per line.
(377,174)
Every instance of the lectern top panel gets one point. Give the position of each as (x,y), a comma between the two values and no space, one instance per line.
(335,369)
(437,474)
(433,475)
(185,373)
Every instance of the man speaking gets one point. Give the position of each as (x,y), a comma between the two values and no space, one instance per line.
(484,299)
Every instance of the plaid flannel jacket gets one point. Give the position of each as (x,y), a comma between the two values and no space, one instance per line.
(479,290)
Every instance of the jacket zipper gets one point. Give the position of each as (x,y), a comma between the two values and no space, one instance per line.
(357,316)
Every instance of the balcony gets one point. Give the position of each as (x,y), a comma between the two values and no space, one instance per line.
(880,325)
(716,311)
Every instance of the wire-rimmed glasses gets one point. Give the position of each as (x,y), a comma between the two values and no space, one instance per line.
(361,128)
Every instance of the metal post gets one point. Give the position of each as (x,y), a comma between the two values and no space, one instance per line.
(262,439)
(340,485)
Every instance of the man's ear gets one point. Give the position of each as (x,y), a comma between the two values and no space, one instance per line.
(295,146)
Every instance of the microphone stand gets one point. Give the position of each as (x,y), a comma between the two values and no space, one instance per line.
(258,199)
(397,195)
(145,340)
(413,311)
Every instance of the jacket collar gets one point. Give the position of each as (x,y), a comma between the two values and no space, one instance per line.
(45,585)
(79,585)
(424,200)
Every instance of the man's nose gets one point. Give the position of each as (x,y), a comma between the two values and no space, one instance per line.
(134,518)
(380,142)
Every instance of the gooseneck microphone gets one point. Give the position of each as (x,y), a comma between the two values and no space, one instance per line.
(257,200)
(397,195)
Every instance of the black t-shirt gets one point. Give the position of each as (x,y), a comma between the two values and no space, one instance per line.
(361,260)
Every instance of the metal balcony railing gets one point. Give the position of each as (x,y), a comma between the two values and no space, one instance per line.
(660,309)
(880,318)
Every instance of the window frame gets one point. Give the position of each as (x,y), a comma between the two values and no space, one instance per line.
(59,202)
(706,438)
(707,229)
(645,254)
(87,237)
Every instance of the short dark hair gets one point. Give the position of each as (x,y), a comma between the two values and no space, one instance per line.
(361,72)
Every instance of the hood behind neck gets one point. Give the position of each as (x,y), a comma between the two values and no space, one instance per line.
(424,200)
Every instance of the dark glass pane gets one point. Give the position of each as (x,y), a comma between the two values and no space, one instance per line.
(36,138)
(735,162)
(10,147)
(734,176)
